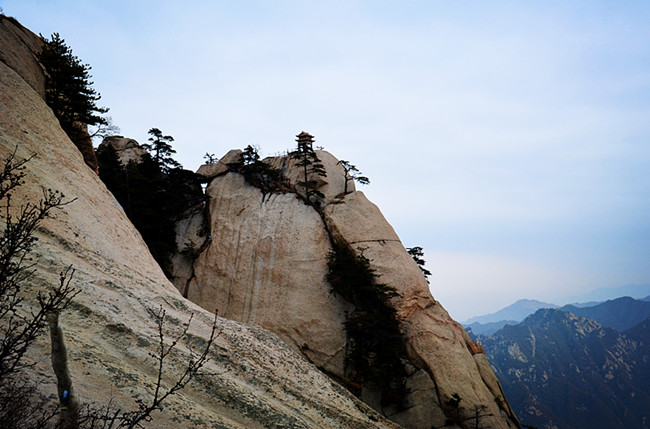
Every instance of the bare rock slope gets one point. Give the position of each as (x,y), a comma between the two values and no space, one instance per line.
(253,379)
(266,264)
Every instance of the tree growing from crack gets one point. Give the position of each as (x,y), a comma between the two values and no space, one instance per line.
(352,173)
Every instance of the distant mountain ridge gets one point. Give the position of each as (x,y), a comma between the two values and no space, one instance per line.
(619,314)
(609,293)
(489,328)
(564,371)
(488,324)
(514,312)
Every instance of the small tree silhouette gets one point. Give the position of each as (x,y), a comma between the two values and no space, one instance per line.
(308,160)
(107,417)
(352,173)
(418,256)
(210,158)
(161,150)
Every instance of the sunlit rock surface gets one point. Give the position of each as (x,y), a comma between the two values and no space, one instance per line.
(266,263)
(253,380)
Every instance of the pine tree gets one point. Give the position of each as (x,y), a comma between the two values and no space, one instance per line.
(68,89)
(161,150)
(418,256)
(308,160)
(352,173)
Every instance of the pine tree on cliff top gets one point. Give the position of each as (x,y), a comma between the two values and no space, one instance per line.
(68,89)
(308,160)
(161,150)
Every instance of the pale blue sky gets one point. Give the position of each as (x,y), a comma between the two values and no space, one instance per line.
(511,140)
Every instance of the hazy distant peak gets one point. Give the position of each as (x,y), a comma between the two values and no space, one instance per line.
(517,311)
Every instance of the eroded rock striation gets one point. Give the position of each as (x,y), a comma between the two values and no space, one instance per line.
(266,264)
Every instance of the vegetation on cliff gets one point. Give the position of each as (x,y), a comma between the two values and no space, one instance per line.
(259,173)
(153,192)
(18,328)
(310,164)
(70,95)
(20,406)
(376,351)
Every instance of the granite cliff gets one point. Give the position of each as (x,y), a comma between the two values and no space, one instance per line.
(253,379)
(264,262)
(263,265)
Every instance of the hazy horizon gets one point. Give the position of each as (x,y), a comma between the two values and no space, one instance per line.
(509,140)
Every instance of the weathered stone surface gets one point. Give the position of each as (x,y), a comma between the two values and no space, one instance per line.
(19,49)
(256,380)
(191,238)
(266,264)
(209,171)
(127,149)
(434,341)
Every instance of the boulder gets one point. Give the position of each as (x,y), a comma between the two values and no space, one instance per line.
(127,149)
(212,170)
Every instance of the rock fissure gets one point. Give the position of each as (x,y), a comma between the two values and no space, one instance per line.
(380,241)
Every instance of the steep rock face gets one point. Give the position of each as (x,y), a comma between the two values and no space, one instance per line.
(191,239)
(255,380)
(434,341)
(19,49)
(266,264)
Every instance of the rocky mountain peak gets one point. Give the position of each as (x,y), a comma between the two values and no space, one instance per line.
(266,263)
(282,348)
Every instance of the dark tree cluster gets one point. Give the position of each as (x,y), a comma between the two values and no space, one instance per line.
(68,89)
(375,344)
(153,192)
(260,173)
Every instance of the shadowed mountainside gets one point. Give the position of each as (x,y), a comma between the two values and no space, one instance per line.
(561,371)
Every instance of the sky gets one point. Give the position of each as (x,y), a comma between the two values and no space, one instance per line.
(510,140)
